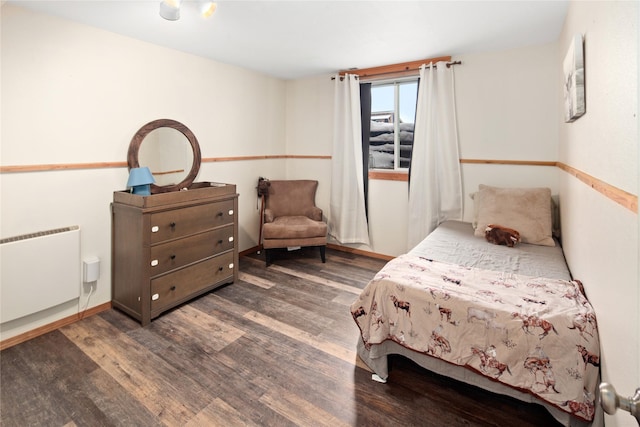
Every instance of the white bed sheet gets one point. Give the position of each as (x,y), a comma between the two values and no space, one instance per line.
(454,242)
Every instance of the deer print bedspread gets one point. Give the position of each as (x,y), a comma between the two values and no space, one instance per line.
(534,334)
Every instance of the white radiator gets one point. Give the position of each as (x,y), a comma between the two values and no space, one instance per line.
(39,271)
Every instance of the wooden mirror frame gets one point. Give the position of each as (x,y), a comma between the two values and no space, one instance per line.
(136,141)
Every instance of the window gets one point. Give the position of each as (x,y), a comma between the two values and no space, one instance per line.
(393,113)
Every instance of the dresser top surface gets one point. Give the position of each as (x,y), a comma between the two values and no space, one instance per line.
(197,191)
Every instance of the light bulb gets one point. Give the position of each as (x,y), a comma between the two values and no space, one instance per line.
(207,8)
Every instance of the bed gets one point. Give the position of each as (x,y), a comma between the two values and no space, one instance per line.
(510,320)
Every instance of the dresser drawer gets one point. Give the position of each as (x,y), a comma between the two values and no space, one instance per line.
(183,222)
(178,253)
(181,285)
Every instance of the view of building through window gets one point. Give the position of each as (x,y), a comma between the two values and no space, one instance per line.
(393,112)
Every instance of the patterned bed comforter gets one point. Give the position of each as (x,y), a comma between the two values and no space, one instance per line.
(534,334)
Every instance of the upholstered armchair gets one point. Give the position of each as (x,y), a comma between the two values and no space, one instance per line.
(291,218)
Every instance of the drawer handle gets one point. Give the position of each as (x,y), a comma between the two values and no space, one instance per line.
(220,268)
(154,262)
(220,241)
(231,239)
(219,214)
(173,288)
(230,211)
(231,266)
(172,257)
(172,225)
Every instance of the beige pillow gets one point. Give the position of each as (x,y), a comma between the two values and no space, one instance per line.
(527,210)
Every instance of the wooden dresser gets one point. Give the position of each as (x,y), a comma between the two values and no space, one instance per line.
(168,248)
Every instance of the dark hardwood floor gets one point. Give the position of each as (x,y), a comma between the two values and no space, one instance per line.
(277,348)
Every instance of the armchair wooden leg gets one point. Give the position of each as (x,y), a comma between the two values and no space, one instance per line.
(322,254)
(267,257)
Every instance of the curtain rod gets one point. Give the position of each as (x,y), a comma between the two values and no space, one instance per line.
(381,75)
(448,64)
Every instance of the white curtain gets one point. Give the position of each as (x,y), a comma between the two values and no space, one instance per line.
(435,183)
(347,216)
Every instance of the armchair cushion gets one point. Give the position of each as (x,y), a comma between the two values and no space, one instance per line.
(312,212)
(294,227)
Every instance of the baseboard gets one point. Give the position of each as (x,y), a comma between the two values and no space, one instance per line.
(334,247)
(10,342)
(250,251)
(360,252)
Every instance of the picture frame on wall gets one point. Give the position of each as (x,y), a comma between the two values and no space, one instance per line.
(573,68)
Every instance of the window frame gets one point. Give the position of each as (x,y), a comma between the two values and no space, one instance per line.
(395,82)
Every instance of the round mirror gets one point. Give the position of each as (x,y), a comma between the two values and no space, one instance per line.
(170,150)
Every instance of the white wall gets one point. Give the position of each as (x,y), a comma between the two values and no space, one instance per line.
(309,129)
(507,110)
(506,104)
(76,94)
(601,237)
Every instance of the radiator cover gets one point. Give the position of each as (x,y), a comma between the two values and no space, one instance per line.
(39,271)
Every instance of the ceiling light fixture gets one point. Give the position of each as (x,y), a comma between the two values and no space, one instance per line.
(170,9)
